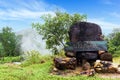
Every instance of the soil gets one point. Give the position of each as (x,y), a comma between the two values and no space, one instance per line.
(67,72)
(109,75)
(78,70)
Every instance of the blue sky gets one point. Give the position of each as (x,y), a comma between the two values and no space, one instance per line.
(20,14)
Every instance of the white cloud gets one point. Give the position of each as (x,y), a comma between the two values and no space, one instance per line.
(106,26)
(22,14)
(25,10)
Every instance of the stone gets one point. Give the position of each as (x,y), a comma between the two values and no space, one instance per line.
(85,31)
(70,54)
(65,63)
(55,69)
(90,72)
(105,56)
(85,65)
(118,70)
(106,67)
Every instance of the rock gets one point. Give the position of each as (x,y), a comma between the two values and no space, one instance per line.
(88,55)
(112,69)
(42,61)
(105,56)
(70,54)
(65,63)
(106,67)
(87,68)
(83,72)
(18,63)
(55,69)
(85,31)
(85,65)
(90,72)
(118,70)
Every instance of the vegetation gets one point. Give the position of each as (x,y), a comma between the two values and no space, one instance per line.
(114,42)
(34,57)
(1,50)
(38,71)
(10,59)
(8,43)
(55,28)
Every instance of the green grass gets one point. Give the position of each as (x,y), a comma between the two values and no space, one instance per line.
(35,72)
(38,71)
(116,60)
(10,59)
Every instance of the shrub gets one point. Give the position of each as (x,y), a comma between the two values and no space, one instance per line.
(34,57)
(116,54)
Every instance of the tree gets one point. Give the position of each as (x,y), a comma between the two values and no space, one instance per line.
(9,41)
(55,28)
(1,50)
(114,41)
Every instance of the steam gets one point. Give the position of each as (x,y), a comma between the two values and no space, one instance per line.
(31,40)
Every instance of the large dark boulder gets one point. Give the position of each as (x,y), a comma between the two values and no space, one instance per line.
(85,31)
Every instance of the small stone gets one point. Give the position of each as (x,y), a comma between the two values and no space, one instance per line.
(118,70)
(70,54)
(86,65)
(42,61)
(55,69)
(91,72)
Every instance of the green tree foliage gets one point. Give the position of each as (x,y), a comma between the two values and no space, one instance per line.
(114,41)
(55,28)
(9,42)
(1,50)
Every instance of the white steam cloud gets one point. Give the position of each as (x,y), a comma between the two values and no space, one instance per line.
(31,40)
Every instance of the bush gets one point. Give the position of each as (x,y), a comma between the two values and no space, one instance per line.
(61,53)
(34,57)
(116,53)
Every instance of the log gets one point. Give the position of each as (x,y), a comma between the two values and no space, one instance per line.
(65,63)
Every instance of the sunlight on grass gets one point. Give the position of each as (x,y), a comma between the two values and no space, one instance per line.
(10,59)
(116,60)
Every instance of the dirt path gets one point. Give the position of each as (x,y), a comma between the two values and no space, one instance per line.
(109,75)
(79,69)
